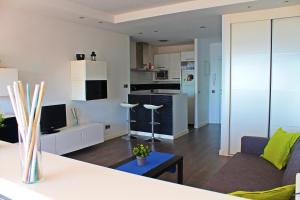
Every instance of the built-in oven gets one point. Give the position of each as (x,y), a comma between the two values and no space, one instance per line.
(162,75)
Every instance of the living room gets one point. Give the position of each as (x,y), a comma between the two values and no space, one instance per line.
(43,41)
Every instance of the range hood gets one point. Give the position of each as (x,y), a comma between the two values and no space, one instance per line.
(142,54)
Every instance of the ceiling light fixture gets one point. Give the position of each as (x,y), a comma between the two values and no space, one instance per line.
(81,17)
(140,33)
(249,7)
(155,31)
(203,27)
(100,22)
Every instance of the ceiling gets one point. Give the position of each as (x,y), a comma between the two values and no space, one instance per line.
(123,6)
(178,21)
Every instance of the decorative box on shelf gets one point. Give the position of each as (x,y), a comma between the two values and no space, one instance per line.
(89,80)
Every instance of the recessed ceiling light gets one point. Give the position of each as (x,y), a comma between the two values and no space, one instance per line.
(100,22)
(155,31)
(81,17)
(203,27)
(163,40)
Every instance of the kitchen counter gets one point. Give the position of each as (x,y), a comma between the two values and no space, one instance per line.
(155,93)
(66,178)
(172,117)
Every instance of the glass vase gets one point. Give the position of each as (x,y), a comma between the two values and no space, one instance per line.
(30,156)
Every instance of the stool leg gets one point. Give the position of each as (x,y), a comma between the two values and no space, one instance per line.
(129,126)
(152,129)
(129,136)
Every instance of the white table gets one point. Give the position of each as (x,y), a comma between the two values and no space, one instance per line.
(298,187)
(70,179)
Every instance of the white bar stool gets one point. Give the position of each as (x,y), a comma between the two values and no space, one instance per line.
(153,123)
(129,107)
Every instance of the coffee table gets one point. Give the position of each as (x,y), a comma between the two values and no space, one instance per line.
(156,171)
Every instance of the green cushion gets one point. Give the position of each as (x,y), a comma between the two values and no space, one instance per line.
(281,193)
(279,147)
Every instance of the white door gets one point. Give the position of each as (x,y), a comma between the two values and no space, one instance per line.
(250,81)
(215,83)
(285,93)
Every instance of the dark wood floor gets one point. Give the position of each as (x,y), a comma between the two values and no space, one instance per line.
(199,148)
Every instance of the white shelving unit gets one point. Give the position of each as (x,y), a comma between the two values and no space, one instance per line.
(7,76)
(83,71)
(73,139)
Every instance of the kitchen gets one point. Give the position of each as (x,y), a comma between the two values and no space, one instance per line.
(164,74)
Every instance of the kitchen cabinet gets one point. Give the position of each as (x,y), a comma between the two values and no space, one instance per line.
(162,61)
(175,67)
(170,62)
(187,56)
(138,114)
(172,116)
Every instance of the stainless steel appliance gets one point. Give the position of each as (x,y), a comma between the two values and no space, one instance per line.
(162,75)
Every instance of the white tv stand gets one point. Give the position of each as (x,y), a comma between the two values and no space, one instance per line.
(73,138)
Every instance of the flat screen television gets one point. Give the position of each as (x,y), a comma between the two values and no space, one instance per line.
(52,118)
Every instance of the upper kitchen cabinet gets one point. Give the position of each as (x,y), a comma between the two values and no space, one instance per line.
(162,61)
(89,80)
(7,77)
(170,62)
(175,67)
(187,56)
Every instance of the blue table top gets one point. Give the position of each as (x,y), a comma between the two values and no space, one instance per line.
(153,160)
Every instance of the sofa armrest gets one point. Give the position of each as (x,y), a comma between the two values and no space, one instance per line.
(253,145)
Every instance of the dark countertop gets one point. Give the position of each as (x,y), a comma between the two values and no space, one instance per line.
(149,93)
(166,86)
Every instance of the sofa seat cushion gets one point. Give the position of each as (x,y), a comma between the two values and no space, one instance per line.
(245,172)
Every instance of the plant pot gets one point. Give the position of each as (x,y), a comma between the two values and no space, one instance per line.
(141,161)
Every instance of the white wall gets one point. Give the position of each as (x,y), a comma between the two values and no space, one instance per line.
(228,19)
(42,48)
(202,51)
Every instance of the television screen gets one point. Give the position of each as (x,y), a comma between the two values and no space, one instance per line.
(53,117)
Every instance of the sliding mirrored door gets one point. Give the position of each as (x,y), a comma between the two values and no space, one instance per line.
(285,93)
(250,81)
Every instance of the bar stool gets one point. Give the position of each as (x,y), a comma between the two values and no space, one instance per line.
(153,123)
(129,107)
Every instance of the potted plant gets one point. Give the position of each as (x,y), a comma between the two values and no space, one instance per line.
(141,152)
(1,120)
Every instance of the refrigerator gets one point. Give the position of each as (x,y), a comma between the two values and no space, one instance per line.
(188,87)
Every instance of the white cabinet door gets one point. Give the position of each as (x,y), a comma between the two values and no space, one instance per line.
(94,135)
(96,70)
(174,66)
(187,56)
(250,81)
(48,143)
(285,92)
(162,60)
(69,141)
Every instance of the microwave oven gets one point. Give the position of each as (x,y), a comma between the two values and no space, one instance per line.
(161,75)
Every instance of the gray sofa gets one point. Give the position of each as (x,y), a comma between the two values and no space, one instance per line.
(247,171)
